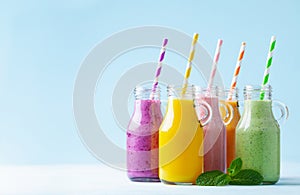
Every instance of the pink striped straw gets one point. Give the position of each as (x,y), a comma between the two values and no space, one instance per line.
(237,70)
(214,65)
(159,67)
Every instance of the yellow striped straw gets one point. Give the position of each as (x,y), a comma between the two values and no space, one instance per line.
(189,64)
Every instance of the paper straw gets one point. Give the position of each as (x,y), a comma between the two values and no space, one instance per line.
(214,65)
(159,66)
(237,70)
(189,64)
(269,63)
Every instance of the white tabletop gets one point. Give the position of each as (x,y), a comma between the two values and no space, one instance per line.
(100,179)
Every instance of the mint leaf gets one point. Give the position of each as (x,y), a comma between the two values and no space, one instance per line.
(235,167)
(247,177)
(236,176)
(208,178)
(222,180)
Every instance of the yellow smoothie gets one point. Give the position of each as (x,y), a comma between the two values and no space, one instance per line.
(180,143)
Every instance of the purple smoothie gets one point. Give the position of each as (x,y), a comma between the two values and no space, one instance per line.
(142,141)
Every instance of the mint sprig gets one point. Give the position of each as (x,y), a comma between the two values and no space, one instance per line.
(236,176)
(235,167)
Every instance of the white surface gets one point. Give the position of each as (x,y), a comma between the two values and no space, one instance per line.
(100,179)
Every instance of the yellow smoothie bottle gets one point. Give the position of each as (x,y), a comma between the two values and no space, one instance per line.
(180,139)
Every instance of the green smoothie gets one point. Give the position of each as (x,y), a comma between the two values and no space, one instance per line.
(258,140)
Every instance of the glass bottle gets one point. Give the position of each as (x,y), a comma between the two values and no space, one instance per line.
(230,96)
(258,133)
(215,131)
(180,138)
(142,136)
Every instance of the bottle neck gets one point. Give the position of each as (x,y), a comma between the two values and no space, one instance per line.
(211,96)
(258,108)
(213,102)
(229,94)
(257,105)
(147,102)
(179,92)
(144,106)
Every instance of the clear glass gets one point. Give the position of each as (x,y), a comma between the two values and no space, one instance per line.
(142,136)
(230,96)
(258,133)
(180,139)
(215,131)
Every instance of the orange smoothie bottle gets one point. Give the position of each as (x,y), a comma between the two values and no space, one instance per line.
(231,98)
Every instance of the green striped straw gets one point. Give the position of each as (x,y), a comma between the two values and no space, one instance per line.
(269,63)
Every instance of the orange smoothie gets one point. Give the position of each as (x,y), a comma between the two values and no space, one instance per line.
(180,143)
(230,130)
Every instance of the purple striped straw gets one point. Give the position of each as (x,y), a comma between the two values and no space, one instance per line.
(159,66)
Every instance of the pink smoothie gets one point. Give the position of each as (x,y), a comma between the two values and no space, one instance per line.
(214,139)
(142,141)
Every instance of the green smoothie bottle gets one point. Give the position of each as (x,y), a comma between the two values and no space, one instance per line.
(258,133)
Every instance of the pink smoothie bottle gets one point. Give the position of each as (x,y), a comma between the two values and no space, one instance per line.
(142,136)
(215,132)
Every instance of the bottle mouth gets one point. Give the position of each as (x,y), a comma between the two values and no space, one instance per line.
(258,88)
(147,92)
(180,87)
(230,94)
(181,91)
(194,91)
(258,92)
(214,91)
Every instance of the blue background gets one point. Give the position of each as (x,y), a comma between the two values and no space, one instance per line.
(42,44)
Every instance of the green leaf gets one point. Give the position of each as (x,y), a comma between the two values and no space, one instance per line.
(235,167)
(247,177)
(208,178)
(222,180)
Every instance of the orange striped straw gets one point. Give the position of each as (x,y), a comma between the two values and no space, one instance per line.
(237,70)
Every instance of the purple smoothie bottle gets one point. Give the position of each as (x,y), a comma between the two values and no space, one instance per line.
(142,136)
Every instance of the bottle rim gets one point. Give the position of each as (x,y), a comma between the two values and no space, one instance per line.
(258,92)
(179,87)
(214,91)
(230,94)
(146,88)
(266,88)
(146,92)
(179,91)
